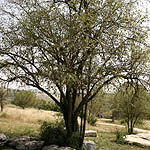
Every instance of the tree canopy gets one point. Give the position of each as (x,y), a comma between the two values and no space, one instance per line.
(74,46)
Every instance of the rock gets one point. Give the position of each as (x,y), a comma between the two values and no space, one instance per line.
(2,137)
(32,143)
(55,147)
(141,139)
(90,133)
(89,145)
(50,147)
(25,143)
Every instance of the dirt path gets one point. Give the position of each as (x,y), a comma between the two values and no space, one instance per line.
(121,126)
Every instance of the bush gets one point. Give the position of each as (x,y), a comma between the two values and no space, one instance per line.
(48,106)
(74,141)
(55,107)
(53,134)
(120,137)
(91,120)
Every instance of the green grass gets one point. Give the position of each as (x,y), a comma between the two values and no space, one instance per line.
(19,129)
(106,141)
(107,136)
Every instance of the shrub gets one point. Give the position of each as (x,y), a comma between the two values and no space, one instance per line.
(48,106)
(55,107)
(60,121)
(53,133)
(122,122)
(40,104)
(120,137)
(91,120)
(74,141)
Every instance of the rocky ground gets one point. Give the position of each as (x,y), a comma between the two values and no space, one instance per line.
(33,143)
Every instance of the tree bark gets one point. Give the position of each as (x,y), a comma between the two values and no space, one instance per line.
(73,137)
(2,105)
(71,123)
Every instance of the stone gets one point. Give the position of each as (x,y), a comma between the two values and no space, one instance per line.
(55,147)
(50,147)
(65,148)
(25,143)
(2,137)
(32,143)
(89,145)
(90,133)
(141,139)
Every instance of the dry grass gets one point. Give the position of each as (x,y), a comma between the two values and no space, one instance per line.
(17,121)
(28,115)
(145,124)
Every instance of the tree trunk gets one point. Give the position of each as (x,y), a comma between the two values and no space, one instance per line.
(71,123)
(1,105)
(73,138)
(128,125)
(131,127)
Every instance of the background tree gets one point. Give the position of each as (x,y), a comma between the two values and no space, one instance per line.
(74,47)
(95,106)
(132,103)
(25,99)
(2,97)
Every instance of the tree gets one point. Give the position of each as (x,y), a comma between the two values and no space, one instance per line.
(2,98)
(132,103)
(25,99)
(75,47)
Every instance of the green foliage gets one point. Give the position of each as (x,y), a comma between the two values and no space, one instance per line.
(42,104)
(74,141)
(102,103)
(132,103)
(53,133)
(91,120)
(120,137)
(53,107)
(97,105)
(25,99)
